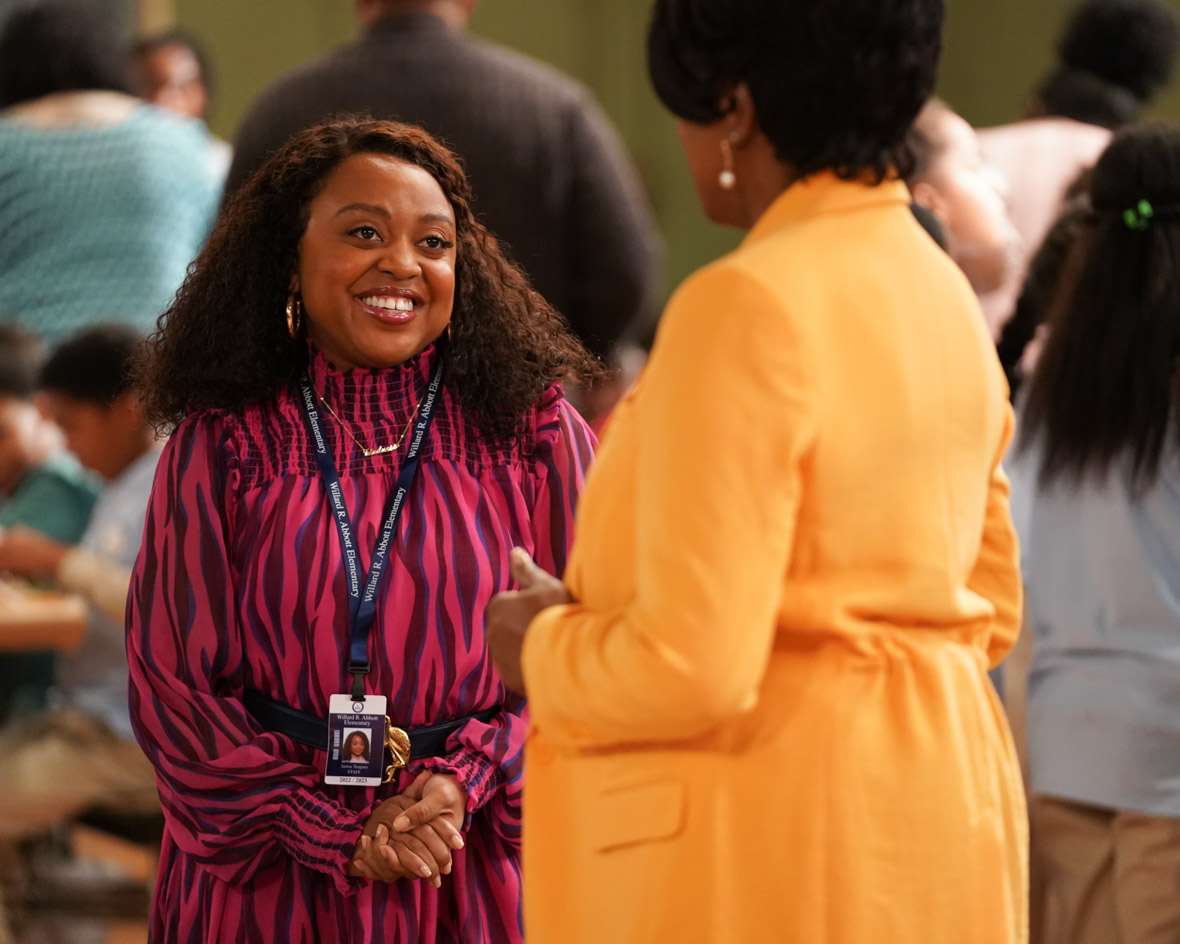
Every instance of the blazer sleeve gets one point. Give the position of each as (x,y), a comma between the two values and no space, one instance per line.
(996,574)
(726,418)
(233,799)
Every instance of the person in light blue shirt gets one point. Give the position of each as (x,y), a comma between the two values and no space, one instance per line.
(1099,472)
(42,487)
(104,199)
(84,753)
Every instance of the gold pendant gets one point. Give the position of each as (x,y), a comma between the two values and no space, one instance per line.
(398,743)
(379,451)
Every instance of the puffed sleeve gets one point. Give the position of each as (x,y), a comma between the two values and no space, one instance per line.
(232,801)
(714,529)
(565,449)
(488,757)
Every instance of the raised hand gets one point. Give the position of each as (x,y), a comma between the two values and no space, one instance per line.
(508,615)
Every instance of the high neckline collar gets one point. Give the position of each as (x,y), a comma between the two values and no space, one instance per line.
(822,194)
(376,386)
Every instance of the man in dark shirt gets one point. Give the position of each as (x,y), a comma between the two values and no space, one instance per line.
(550,177)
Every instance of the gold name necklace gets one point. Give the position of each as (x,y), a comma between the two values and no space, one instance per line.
(378,450)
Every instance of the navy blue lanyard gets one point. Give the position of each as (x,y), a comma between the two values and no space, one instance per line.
(362,598)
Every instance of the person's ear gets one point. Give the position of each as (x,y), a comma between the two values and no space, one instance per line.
(129,408)
(929,197)
(44,406)
(740,120)
(293,283)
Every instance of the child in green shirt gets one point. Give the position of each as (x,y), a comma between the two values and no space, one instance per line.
(41,487)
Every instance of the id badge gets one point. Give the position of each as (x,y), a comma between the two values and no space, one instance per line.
(356,741)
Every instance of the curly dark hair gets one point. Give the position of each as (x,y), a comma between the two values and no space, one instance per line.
(835,84)
(1105,391)
(60,46)
(224,341)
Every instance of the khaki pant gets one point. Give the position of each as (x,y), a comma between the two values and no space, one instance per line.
(1106,876)
(56,766)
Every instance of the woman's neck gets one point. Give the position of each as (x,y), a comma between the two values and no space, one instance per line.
(763,178)
(85,109)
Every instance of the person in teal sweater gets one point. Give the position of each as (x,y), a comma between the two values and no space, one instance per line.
(42,487)
(104,198)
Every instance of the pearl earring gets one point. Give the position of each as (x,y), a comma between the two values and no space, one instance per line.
(727,178)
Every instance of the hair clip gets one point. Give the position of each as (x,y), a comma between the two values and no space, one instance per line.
(1139,216)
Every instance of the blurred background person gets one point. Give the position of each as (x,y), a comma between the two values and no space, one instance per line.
(550,177)
(173,72)
(42,487)
(952,181)
(80,754)
(794,559)
(85,387)
(1100,445)
(1113,57)
(104,200)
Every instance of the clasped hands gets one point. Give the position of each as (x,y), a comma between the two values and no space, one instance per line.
(413,834)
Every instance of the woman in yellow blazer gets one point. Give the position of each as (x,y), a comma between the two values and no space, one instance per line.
(762,713)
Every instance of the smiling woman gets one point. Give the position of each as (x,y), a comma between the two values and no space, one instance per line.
(226,341)
(377,279)
(349,273)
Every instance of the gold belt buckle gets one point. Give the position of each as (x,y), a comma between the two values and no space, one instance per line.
(398,743)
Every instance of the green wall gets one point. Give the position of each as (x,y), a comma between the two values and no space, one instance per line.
(995,52)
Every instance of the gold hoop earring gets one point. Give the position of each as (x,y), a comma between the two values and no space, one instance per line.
(294,315)
(727,178)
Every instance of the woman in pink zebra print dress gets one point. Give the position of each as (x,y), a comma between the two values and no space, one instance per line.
(345,287)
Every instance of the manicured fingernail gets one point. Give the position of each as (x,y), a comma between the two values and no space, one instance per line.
(382,832)
(446,870)
(457,842)
(401,824)
(425,871)
(366,841)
